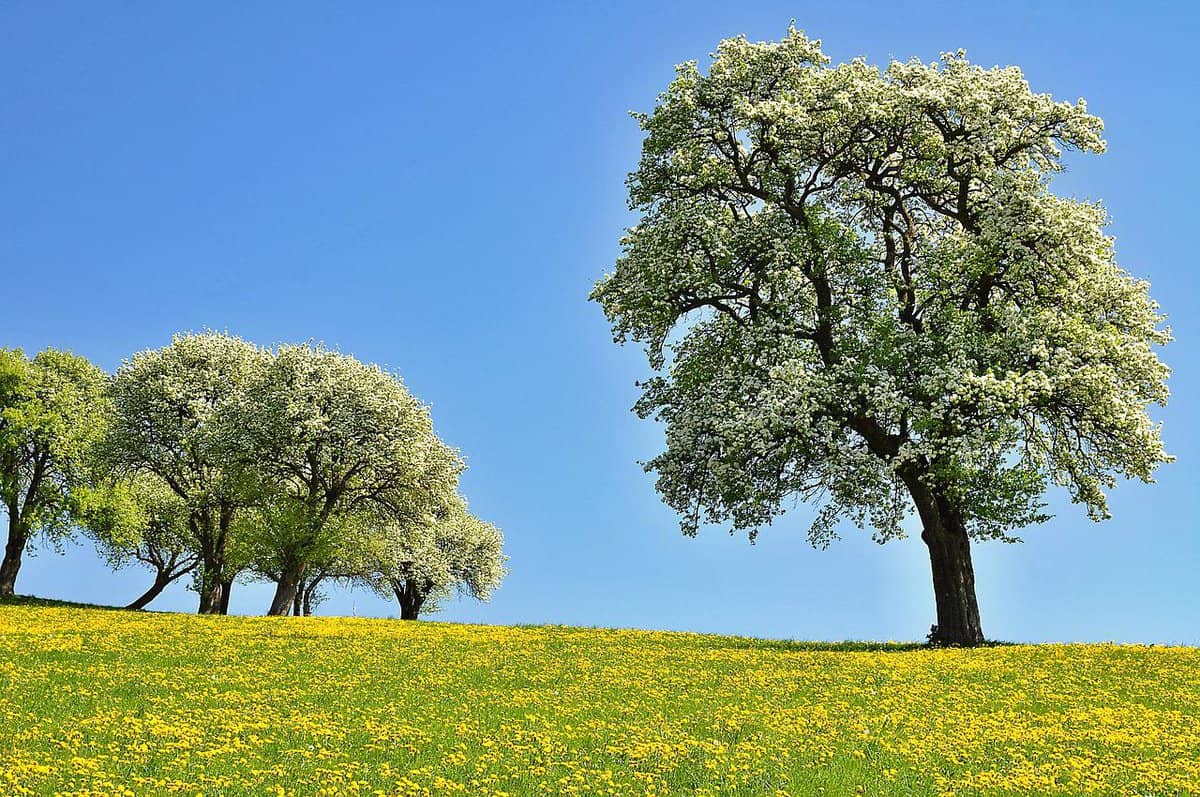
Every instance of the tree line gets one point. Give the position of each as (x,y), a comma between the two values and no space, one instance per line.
(215,459)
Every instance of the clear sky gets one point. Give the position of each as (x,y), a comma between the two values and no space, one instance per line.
(435,188)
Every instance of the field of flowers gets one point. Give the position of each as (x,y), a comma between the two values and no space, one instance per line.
(96,702)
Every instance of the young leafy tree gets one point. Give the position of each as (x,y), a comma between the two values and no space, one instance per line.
(337,439)
(240,550)
(859,289)
(421,564)
(309,593)
(144,522)
(52,409)
(278,530)
(173,421)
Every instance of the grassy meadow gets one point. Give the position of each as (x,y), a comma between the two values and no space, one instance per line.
(100,702)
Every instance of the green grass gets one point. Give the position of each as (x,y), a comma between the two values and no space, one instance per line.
(30,600)
(96,701)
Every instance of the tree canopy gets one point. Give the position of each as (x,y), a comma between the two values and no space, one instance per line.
(421,564)
(288,463)
(174,419)
(333,436)
(52,408)
(141,521)
(858,288)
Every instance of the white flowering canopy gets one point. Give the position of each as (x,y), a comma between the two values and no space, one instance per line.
(172,417)
(856,283)
(174,420)
(426,562)
(337,439)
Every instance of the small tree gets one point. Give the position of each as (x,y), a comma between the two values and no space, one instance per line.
(147,525)
(876,302)
(173,421)
(421,564)
(309,594)
(278,531)
(52,409)
(337,438)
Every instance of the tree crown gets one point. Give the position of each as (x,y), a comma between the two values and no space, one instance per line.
(53,407)
(853,280)
(173,417)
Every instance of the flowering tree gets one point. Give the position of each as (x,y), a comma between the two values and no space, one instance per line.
(421,564)
(52,408)
(335,438)
(142,521)
(273,534)
(858,289)
(174,420)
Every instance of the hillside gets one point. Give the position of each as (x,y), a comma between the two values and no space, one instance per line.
(110,702)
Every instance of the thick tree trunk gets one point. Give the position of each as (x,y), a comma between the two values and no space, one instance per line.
(285,590)
(945,536)
(161,579)
(210,590)
(14,549)
(410,600)
(298,600)
(226,589)
(214,578)
(953,583)
(211,537)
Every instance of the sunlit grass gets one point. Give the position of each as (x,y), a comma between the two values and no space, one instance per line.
(96,702)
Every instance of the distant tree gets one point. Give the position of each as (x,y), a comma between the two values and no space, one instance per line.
(148,527)
(308,595)
(337,438)
(272,532)
(173,420)
(52,408)
(241,550)
(309,592)
(421,564)
(860,290)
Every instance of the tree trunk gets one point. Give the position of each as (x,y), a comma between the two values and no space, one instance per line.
(161,579)
(953,581)
(226,588)
(210,590)
(410,599)
(212,558)
(285,590)
(298,600)
(13,550)
(945,536)
(309,590)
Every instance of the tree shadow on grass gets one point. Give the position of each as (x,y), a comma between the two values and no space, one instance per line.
(30,600)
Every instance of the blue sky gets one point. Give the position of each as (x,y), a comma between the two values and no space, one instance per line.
(436,187)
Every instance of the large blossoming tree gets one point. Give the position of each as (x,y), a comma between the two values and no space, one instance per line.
(174,422)
(334,438)
(858,289)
